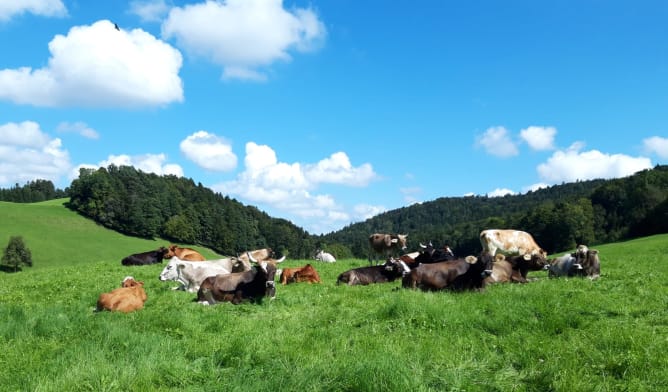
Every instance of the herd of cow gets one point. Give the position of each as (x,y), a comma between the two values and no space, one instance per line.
(506,256)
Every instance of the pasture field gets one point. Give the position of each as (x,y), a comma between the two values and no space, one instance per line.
(51,231)
(572,334)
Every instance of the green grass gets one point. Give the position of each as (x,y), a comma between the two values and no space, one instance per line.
(548,335)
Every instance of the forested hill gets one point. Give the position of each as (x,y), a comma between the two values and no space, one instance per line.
(559,217)
(146,205)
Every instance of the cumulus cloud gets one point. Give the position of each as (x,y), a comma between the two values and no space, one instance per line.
(78,127)
(149,10)
(48,8)
(209,151)
(290,187)
(535,187)
(148,163)
(337,169)
(27,153)
(99,66)
(539,138)
(496,141)
(573,164)
(244,36)
(657,145)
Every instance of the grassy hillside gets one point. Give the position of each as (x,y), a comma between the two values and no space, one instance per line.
(57,236)
(547,335)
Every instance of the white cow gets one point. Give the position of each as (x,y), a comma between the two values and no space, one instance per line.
(566,265)
(324,256)
(190,274)
(510,243)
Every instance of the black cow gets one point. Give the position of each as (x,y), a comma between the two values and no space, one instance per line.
(145,258)
(237,287)
(457,275)
(430,254)
(388,272)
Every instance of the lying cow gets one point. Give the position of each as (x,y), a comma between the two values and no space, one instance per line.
(145,258)
(187,254)
(128,298)
(388,272)
(502,271)
(430,254)
(566,265)
(460,274)
(238,287)
(588,259)
(300,274)
(323,256)
(510,243)
(190,274)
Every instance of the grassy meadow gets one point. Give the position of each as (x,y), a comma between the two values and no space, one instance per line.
(572,334)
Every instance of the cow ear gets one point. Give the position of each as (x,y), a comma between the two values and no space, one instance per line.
(499,257)
(180,266)
(526,257)
(471,259)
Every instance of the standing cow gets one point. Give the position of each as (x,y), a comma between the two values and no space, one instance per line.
(386,245)
(510,243)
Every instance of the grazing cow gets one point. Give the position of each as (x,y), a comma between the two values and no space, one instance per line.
(128,298)
(187,254)
(190,274)
(565,265)
(150,257)
(324,256)
(385,245)
(300,274)
(388,272)
(509,243)
(238,287)
(460,274)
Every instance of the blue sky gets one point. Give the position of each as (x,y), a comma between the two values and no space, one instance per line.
(328,112)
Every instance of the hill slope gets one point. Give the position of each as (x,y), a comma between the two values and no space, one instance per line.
(52,232)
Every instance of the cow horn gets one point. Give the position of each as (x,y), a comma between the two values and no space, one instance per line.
(526,256)
(423,246)
(280,260)
(250,257)
(471,259)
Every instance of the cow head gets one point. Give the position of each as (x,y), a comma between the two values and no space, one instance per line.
(482,264)
(269,271)
(535,262)
(129,281)
(171,270)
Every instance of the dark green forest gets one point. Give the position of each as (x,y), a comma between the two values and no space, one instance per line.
(559,217)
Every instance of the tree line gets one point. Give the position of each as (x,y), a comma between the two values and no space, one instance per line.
(560,217)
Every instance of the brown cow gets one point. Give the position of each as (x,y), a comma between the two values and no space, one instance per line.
(129,297)
(385,245)
(187,254)
(300,274)
(460,274)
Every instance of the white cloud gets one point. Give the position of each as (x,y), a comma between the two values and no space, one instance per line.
(337,169)
(149,10)
(78,127)
(498,192)
(496,141)
(657,145)
(99,66)
(243,35)
(539,138)
(148,163)
(572,165)
(287,188)
(27,153)
(209,151)
(48,8)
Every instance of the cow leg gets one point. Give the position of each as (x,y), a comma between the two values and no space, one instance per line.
(208,296)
